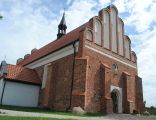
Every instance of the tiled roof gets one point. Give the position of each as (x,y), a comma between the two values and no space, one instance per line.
(22,74)
(53,46)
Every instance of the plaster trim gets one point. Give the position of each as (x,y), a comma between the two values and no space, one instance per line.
(54,56)
(110,56)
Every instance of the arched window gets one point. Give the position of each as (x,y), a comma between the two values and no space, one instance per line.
(114,30)
(98,32)
(89,35)
(120,36)
(127,47)
(106,30)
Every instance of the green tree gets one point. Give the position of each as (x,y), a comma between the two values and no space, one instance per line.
(152,107)
(1,16)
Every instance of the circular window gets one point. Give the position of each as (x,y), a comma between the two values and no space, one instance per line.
(114,67)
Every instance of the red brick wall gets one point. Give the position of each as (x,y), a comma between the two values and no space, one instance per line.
(79,84)
(56,94)
(93,78)
(94,94)
(40,71)
(139,95)
(61,77)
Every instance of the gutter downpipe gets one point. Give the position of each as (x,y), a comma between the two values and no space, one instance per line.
(3,89)
(72,77)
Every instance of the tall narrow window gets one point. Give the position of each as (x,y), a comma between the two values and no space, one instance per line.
(106,30)
(120,37)
(127,48)
(89,35)
(98,32)
(114,30)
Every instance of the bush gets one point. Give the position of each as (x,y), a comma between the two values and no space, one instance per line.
(146,113)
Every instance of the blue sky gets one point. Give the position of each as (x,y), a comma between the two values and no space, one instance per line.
(29,24)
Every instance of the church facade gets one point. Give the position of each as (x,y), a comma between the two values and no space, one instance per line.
(92,66)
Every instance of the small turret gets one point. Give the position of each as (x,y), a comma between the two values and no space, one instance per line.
(62,27)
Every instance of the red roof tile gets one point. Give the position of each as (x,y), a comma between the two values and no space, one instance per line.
(22,74)
(53,46)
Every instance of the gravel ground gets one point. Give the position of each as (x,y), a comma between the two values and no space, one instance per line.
(107,117)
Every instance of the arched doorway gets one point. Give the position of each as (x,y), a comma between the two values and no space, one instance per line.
(115,101)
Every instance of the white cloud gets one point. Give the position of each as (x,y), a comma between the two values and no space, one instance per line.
(24,28)
(145,47)
(80,12)
(121,5)
(147,55)
(68,2)
(141,14)
(104,3)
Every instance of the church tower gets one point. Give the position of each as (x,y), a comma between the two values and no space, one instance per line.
(62,27)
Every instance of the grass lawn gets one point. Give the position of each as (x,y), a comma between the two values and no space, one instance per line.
(152,111)
(38,110)
(28,118)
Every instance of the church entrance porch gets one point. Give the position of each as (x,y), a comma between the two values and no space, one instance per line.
(116,96)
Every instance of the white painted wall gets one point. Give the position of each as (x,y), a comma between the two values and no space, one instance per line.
(120,36)
(106,30)
(45,74)
(19,94)
(127,49)
(114,30)
(1,87)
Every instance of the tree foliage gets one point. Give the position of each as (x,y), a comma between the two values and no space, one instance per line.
(1,16)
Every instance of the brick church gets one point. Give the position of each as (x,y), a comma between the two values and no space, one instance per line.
(92,66)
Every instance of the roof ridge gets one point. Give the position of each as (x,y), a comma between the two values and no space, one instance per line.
(21,67)
(63,36)
(54,45)
(22,74)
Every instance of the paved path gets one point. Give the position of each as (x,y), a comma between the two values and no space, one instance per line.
(108,117)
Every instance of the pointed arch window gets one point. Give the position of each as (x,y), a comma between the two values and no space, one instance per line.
(114,29)
(89,35)
(120,37)
(98,32)
(106,20)
(127,47)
